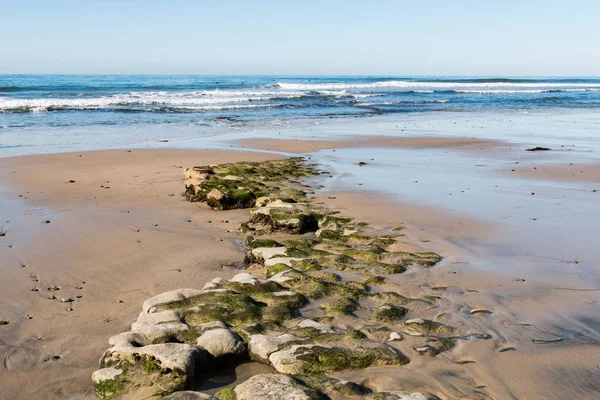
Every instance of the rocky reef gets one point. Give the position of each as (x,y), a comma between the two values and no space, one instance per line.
(312,301)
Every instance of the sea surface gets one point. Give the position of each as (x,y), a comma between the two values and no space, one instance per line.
(45,113)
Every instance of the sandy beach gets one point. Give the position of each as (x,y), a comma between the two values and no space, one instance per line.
(109,229)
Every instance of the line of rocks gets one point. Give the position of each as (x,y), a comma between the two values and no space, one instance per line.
(269,316)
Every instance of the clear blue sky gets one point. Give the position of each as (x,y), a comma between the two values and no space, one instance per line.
(392,37)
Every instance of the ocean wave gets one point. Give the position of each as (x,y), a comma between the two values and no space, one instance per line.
(524,91)
(140,99)
(436,84)
(400,103)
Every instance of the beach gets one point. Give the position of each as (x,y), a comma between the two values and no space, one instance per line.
(110,229)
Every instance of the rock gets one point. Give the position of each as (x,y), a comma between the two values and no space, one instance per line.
(425,326)
(282,260)
(159,333)
(215,194)
(539,149)
(317,359)
(309,323)
(196,175)
(389,313)
(135,338)
(282,277)
(106,374)
(474,311)
(395,336)
(211,325)
(222,342)
(233,178)
(274,387)
(210,285)
(173,356)
(262,346)
(157,318)
(245,278)
(287,361)
(269,252)
(169,297)
(189,395)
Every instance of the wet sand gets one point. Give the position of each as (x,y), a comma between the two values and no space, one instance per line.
(356,141)
(120,233)
(123,229)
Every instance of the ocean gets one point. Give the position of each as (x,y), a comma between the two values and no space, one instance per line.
(38,112)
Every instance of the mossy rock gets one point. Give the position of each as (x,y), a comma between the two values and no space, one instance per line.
(376,280)
(363,255)
(292,300)
(332,219)
(226,394)
(330,235)
(357,287)
(303,244)
(356,334)
(320,360)
(390,297)
(384,241)
(426,327)
(258,243)
(339,307)
(391,269)
(232,199)
(308,265)
(278,313)
(389,313)
(231,308)
(255,288)
(109,388)
(277,268)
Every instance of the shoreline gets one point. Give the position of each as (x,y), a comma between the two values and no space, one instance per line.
(56,204)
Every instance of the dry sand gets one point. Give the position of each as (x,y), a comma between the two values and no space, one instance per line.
(123,229)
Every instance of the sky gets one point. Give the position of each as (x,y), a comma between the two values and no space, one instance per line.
(307,37)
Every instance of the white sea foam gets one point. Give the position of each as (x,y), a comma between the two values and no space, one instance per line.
(200,100)
(434,85)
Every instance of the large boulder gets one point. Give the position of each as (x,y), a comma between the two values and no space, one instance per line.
(170,356)
(262,346)
(274,387)
(222,343)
